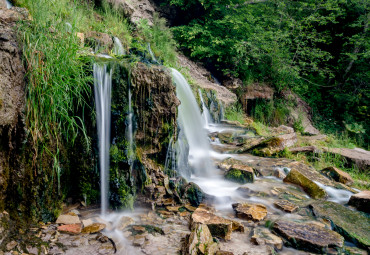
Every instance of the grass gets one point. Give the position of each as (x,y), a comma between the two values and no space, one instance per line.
(235,113)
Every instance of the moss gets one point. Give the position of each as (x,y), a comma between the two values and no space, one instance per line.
(239,176)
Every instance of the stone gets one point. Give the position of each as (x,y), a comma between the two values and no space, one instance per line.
(194,194)
(263,236)
(190,208)
(288,140)
(337,175)
(98,39)
(361,201)
(70,228)
(254,212)
(87,222)
(124,222)
(93,228)
(286,206)
(139,240)
(240,173)
(200,241)
(11,245)
(310,187)
(81,36)
(353,225)
(304,149)
(173,208)
(224,253)
(357,156)
(68,219)
(218,226)
(307,236)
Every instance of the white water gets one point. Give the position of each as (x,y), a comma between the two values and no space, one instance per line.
(339,196)
(205,114)
(151,53)
(190,121)
(102,91)
(118,49)
(8,4)
(129,130)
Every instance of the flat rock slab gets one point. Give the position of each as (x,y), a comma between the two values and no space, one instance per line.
(361,201)
(68,219)
(254,212)
(71,228)
(200,241)
(263,236)
(218,226)
(358,156)
(93,228)
(311,188)
(286,206)
(353,225)
(308,236)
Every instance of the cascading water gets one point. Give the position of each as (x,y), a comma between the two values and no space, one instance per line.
(8,4)
(190,122)
(118,47)
(129,130)
(206,115)
(102,91)
(152,54)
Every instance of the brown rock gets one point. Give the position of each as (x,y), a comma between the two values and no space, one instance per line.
(190,208)
(224,253)
(337,175)
(93,228)
(124,222)
(304,149)
(263,236)
(308,236)
(255,212)
(68,219)
(240,173)
(217,225)
(97,39)
(200,241)
(286,206)
(173,208)
(71,228)
(361,201)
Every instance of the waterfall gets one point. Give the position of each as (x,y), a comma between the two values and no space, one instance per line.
(152,54)
(190,122)
(129,130)
(118,49)
(206,115)
(102,91)
(8,4)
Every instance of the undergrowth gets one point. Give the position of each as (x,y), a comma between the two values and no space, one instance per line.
(235,113)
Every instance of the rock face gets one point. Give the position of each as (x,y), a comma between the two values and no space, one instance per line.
(361,201)
(255,91)
(247,211)
(200,241)
(311,188)
(99,40)
(308,236)
(354,226)
(240,173)
(337,175)
(218,226)
(12,98)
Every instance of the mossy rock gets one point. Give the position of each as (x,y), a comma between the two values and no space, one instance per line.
(353,225)
(310,187)
(194,194)
(240,173)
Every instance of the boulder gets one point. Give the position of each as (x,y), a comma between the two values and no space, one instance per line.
(193,193)
(263,236)
(254,212)
(200,241)
(353,225)
(218,226)
(98,39)
(240,173)
(356,156)
(93,228)
(71,228)
(286,206)
(68,219)
(361,201)
(337,175)
(310,187)
(308,236)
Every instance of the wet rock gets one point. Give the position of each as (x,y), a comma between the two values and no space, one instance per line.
(71,228)
(311,188)
(240,173)
(87,222)
(93,228)
(286,206)
(361,201)
(254,212)
(263,236)
(68,219)
(100,40)
(337,175)
(138,240)
(200,241)
(353,225)
(218,226)
(308,236)
(125,222)
(194,194)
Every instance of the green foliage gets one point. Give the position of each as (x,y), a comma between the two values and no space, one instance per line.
(235,113)
(273,113)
